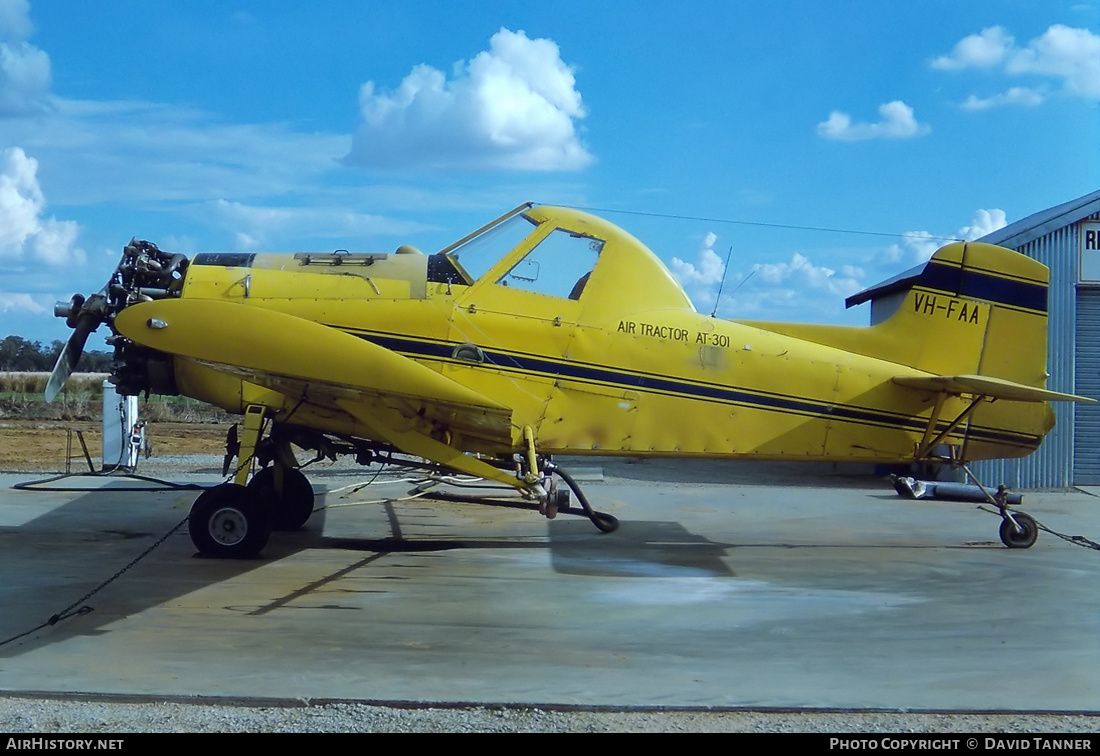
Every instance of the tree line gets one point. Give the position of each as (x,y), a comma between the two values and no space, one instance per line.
(18,355)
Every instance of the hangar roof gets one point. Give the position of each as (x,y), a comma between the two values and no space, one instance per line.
(1016,235)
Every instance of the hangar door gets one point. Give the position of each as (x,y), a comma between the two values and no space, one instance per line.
(1086,432)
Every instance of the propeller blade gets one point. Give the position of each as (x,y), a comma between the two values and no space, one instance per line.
(70,356)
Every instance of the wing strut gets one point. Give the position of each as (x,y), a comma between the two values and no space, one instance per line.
(412,441)
(980,387)
(928,443)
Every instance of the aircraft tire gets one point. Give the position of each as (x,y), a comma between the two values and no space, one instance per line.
(226,522)
(291,510)
(1017,540)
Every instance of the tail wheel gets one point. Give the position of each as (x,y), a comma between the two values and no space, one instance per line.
(290,508)
(226,522)
(1025,537)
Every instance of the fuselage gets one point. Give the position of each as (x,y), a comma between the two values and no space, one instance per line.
(609,358)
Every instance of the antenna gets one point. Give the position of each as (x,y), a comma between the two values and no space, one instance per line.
(735,288)
(725,272)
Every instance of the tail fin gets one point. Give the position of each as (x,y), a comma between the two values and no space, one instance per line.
(977,309)
(973,309)
(979,314)
(975,318)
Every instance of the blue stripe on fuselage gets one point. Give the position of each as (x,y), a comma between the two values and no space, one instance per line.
(604,375)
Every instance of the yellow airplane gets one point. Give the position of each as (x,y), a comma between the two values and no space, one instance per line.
(551,332)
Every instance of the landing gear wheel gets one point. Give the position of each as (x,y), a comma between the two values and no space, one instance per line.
(226,522)
(1019,539)
(290,510)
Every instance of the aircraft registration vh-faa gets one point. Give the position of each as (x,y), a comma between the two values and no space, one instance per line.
(549,332)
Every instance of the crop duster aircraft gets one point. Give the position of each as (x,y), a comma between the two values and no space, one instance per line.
(549,332)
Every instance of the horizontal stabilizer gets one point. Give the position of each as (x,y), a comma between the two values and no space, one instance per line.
(983,385)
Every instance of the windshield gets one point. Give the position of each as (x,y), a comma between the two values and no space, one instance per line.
(476,256)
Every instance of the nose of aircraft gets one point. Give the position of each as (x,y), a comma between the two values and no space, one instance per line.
(143,274)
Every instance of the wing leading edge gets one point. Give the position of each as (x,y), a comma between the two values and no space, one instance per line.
(982,385)
(302,359)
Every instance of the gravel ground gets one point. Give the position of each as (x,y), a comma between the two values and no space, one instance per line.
(25,715)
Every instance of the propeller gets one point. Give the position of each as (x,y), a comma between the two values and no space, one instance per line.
(83,317)
(143,274)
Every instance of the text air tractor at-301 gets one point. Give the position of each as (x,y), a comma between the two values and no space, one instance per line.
(550,331)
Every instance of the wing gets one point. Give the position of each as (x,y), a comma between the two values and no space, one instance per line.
(303,359)
(981,385)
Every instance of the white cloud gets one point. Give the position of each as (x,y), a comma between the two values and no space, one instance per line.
(984,222)
(245,241)
(915,247)
(919,246)
(182,154)
(1061,53)
(768,290)
(23,230)
(1013,96)
(708,268)
(24,69)
(1072,55)
(19,302)
(897,123)
(802,274)
(808,292)
(511,107)
(983,50)
(702,278)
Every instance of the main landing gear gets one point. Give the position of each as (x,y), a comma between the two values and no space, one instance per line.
(290,500)
(227,521)
(236,519)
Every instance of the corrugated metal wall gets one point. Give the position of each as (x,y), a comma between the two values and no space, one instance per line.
(1086,437)
(1051,466)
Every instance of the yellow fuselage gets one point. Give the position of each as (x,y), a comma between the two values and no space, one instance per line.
(627,368)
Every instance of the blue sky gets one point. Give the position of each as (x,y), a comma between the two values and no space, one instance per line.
(697,126)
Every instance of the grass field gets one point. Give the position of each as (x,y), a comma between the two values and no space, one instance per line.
(36,435)
(22,397)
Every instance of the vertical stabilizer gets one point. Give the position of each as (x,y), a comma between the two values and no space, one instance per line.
(977,309)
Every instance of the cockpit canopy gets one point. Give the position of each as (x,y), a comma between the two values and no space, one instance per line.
(568,254)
